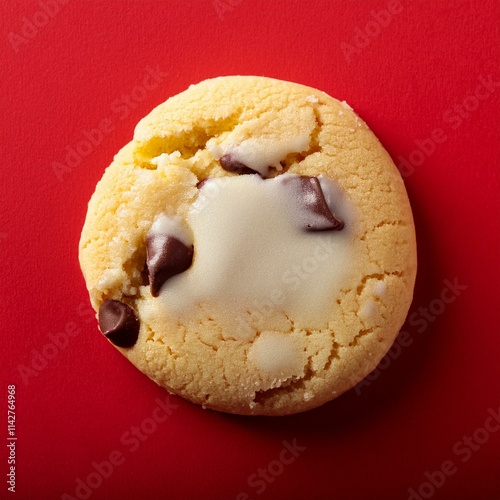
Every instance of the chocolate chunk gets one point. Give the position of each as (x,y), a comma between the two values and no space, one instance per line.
(119,323)
(231,165)
(317,215)
(203,181)
(166,257)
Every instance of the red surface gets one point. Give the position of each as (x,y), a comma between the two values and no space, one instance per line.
(413,81)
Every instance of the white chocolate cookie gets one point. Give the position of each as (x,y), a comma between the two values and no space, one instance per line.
(252,249)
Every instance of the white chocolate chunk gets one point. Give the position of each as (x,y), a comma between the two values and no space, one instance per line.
(277,354)
(368,310)
(379,289)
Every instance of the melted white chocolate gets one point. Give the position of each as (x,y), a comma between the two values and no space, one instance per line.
(173,226)
(251,253)
(288,131)
(260,153)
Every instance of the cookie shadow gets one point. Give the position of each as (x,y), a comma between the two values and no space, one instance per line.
(396,377)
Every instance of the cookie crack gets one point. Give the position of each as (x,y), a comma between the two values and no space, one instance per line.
(334,354)
(265,396)
(152,338)
(186,142)
(377,276)
(384,223)
(293,159)
(362,333)
(214,348)
(292,323)
(397,222)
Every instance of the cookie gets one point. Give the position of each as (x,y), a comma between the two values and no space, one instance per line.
(253,248)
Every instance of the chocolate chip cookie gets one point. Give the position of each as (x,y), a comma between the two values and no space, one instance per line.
(252,249)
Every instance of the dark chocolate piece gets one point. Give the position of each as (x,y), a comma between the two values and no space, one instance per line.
(119,323)
(200,183)
(166,257)
(318,216)
(231,165)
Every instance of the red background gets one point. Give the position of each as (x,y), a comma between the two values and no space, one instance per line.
(416,75)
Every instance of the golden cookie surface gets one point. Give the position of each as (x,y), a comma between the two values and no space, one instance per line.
(272,351)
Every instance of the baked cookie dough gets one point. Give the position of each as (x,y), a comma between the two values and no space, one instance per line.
(253,248)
